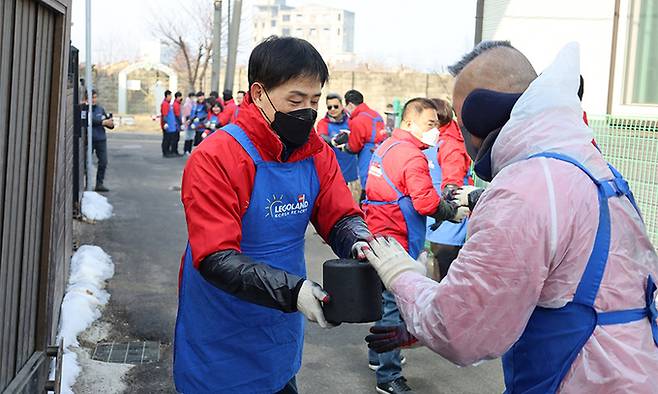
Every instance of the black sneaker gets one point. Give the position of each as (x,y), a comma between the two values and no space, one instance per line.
(375,365)
(101,188)
(398,385)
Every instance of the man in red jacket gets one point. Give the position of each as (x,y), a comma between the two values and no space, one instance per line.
(399,197)
(367,131)
(249,191)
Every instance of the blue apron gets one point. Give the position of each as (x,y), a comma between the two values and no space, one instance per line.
(539,360)
(415,221)
(170,119)
(366,153)
(448,233)
(346,161)
(224,344)
(213,124)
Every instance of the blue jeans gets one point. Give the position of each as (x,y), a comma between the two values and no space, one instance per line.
(389,362)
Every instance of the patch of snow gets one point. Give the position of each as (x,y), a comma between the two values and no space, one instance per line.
(95,206)
(82,304)
(107,376)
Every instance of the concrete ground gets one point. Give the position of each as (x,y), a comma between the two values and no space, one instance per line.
(146,238)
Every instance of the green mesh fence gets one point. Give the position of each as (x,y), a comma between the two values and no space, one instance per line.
(631,145)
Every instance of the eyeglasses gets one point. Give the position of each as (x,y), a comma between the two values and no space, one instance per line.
(330,107)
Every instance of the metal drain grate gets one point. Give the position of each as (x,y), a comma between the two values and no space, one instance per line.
(127,352)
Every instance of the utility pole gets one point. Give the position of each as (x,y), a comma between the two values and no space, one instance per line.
(234,30)
(216,45)
(89,90)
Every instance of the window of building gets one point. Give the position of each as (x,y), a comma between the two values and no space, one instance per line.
(273,23)
(339,31)
(285,32)
(300,16)
(313,31)
(286,18)
(641,86)
(339,16)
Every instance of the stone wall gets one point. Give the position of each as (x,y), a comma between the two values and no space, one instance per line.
(378,87)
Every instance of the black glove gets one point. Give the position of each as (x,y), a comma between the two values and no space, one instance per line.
(341,138)
(473,198)
(347,232)
(387,338)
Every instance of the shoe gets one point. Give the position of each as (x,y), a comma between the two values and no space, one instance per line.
(101,188)
(398,385)
(375,366)
(187,153)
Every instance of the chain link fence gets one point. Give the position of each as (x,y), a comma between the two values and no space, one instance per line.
(631,145)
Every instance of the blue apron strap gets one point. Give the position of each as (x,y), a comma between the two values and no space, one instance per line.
(374,120)
(590,282)
(621,185)
(236,132)
(652,310)
(379,158)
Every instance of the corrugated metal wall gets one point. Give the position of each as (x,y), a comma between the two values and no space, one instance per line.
(34,230)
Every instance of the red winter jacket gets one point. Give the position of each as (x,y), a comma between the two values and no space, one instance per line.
(226,116)
(360,126)
(177,109)
(164,110)
(219,176)
(407,168)
(453,159)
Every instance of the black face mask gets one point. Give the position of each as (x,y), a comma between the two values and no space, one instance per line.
(293,128)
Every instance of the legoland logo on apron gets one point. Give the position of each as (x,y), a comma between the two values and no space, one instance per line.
(278,208)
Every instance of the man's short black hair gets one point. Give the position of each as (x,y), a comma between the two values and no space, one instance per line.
(479,49)
(178,94)
(277,60)
(227,94)
(93,92)
(191,94)
(214,94)
(334,96)
(200,93)
(167,92)
(443,110)
(241,91)
(353,96)
(417,105)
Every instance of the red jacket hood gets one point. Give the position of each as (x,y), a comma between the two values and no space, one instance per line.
(252,121)
(452,131)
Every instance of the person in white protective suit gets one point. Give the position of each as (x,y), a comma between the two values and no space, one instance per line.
(558,274)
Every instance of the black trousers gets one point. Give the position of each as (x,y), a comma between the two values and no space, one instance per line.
(170,143)
(444,255)
(197,137)
(100,147)
(290,388)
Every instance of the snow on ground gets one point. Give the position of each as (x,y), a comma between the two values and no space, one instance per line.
(95,206)
(82,304)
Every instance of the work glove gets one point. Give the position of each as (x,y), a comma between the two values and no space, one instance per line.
(193,126)
(340,139)
(309,302)
(470,195)
(387,338)
(357,250)
(182,127)
(461,214)
(461,194)
(204,134)
(166,127)
(390,260)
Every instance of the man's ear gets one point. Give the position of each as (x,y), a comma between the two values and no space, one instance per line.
(256,93)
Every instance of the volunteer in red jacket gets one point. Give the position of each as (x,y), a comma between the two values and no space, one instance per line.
(450,168)
(250,191)
(334,127)
(399,196)
(168,124)
(365,126)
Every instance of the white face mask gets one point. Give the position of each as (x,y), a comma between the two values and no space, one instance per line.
(430,137)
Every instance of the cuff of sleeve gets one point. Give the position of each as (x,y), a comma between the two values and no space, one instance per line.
(295,294)
(405,282)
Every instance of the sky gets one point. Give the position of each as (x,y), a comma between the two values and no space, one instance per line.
(426,35)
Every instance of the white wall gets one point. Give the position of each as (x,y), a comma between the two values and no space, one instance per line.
(539,28)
